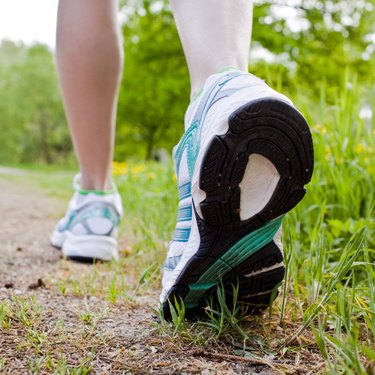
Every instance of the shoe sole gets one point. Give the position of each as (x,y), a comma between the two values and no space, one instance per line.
(89,249)
(238,251)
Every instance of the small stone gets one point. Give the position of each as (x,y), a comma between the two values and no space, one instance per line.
(39,284)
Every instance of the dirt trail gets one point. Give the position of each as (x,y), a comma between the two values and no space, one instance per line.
(50,329)
(26,218)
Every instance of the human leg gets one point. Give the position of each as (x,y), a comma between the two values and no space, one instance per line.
(214,34)
(241,164)
(89,60)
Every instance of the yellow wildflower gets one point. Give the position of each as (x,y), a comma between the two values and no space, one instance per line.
(137,169)
(360,149)
(118,168)
(320,129)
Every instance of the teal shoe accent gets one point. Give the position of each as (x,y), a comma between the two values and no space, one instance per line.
(185,213)
(181,234)
(191,138)
(191,142)
(238,253)
(90,210)
(97,192)
(184,191)
(228,68)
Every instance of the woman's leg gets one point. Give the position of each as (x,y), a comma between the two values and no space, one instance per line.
(215,34)
(90,60)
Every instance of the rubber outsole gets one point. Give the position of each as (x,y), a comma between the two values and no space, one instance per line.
(78,259)
(239,251)
(88,249)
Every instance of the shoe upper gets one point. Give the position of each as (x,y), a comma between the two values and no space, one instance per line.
(184,156)
(90,213)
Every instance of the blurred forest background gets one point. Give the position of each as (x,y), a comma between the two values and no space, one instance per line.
(309,49)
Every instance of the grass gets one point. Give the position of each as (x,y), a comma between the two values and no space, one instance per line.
(50,346)
(324,319)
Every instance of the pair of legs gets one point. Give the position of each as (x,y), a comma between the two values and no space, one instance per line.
(214,34)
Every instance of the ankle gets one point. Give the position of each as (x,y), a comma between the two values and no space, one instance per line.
(100,183)
(198,84)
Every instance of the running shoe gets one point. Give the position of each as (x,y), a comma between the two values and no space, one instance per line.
(89,229)
(241,165)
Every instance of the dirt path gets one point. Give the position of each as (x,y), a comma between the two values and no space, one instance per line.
(49,322)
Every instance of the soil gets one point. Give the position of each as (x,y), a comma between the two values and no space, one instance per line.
(112,339)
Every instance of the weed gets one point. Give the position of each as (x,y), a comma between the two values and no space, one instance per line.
(221,318)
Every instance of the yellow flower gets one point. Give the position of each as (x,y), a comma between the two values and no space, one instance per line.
(360,149)
(151,176)
(327,151)
(320,129)
(137,169)
(174,177)
(118,168)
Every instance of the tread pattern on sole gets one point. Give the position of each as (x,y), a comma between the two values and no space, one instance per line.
(277,131)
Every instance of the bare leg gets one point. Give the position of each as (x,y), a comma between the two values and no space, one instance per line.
(89,60)
(214,34)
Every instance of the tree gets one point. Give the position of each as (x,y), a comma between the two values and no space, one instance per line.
(155,90)
(322,38)
(313,41)
(31,115)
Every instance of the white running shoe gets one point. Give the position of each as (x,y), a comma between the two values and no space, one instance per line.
(241,165)
(89,228)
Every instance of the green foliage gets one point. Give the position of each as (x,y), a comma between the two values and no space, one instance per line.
(31,116)
(316,45)
(313,43)
(318,39)
(155,89)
